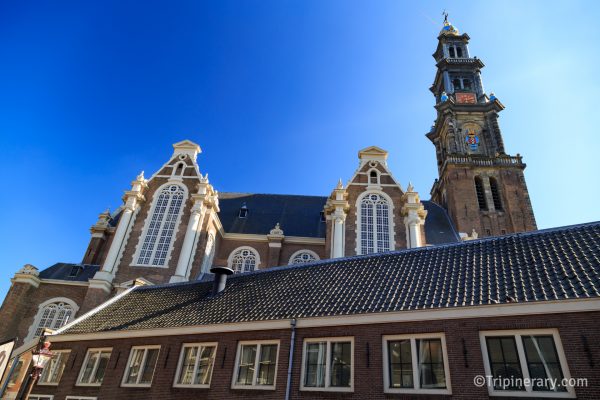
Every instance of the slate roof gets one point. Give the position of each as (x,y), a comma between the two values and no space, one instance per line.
(438,227)
(297,215)
(63,271)
(556,264)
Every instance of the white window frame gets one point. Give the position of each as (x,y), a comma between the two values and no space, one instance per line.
(85,360)
(38,316)
(391,225)
(376,184)
(328,387)
(40,396)
(415,364)
(148,221)
(259,344)
(241,248)
(54,352)
(517,334)
(180,365)
(80,398)
(297,253)
(142,366)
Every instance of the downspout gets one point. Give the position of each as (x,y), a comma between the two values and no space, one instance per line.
(288,387)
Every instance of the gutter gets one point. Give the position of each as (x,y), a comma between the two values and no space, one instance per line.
(288,387)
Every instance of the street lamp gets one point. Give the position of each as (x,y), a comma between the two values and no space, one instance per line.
(40,357)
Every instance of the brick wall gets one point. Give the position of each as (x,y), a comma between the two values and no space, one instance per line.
(576,331)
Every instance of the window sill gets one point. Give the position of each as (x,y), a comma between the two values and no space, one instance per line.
(149,266)
(253,387)
(532,394)
(328,389)
(46,384)
(190,386)
(136,385)
(418,391)
(89,384)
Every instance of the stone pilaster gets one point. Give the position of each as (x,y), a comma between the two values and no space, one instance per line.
(98,231)
(275,238)
(414,214)
(337,209)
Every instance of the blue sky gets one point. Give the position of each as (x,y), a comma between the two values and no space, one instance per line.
(279,94)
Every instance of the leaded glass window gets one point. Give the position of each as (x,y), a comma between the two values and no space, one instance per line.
(243,260)
(374,224)
(54,316)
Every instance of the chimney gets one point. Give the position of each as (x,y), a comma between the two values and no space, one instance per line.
(220,278)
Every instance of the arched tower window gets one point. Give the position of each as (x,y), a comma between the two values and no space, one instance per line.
(480,193)
(158,236)
(244,259)
(209,254)
(374,224)
(303,256)
(178,169)
(53,314)
(373,177)
(495,194)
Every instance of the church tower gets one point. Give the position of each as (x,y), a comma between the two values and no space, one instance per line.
(481,186)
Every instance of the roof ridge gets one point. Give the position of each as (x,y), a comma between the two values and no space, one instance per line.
(277,194)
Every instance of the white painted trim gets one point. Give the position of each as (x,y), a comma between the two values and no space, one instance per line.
(486,311)
(61,282)
(142,366)
(415,364)
(391,221)
(180,364)
(94,370)
(80,398)
(142,237)
(38,316)
(528,392)
(252,249)
(250,237)
(328,387)
(37,396)
(254,385)
(315,255)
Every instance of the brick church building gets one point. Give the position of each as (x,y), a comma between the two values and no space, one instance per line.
(368,292)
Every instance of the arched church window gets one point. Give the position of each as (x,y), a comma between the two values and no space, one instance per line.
(456,84)
(480,193)
(303,256)
(451,51)
(495,194)
(459,52)
(467,84)
(209,253)
(158,235)
(374,222)
(53,316)
(244,259)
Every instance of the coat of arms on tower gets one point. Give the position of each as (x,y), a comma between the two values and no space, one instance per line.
(472,139)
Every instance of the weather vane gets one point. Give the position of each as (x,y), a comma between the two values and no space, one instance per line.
(445,14)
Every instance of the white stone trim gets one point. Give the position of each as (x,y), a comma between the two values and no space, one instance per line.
(315,255)
(138,247)
(180,364)
(327,387)
(415,364)
(391,222)
(517,334)
(142,366)
(61,282)
(252,249)
(80,398)
(38,316)
(485,311)
(258,343)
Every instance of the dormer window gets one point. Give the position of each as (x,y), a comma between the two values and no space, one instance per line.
(322,216)
(243,211)
(75,271)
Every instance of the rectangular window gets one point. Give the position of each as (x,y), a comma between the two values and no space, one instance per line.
(55,367)
(141,366)
(94,366)
(327,364)
(195,365)
(416,364)
(256,365)
(529,363)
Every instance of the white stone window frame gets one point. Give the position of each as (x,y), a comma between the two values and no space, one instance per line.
(40,396)
(391,221)
(299,252)
(180,365)
(259,344)
(415,364)
(252,249)
(327,387)
(38,316)
(528,392)
(378,175)
(148,220)
(142,366)
(85,361)
(54,352)
(81,398)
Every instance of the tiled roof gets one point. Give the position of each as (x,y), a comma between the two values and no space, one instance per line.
(562,263)
(67,272)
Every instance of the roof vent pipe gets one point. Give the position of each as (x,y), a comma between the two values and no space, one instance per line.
(220,278)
